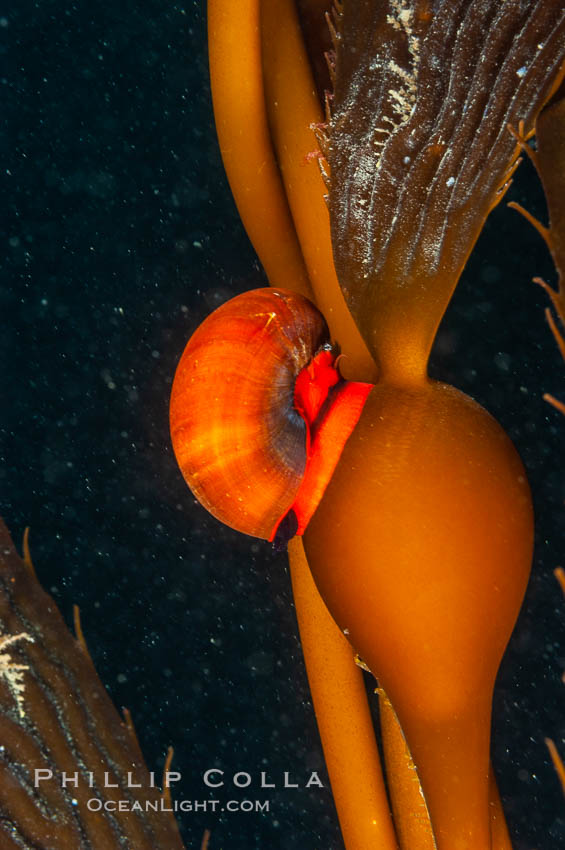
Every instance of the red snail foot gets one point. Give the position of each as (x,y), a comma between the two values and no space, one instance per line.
(260,414)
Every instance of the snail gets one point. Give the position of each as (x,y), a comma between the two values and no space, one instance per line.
(259,413)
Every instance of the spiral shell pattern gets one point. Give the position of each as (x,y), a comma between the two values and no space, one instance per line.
(237,437)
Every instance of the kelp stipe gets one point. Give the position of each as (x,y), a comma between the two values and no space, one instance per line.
(421,545)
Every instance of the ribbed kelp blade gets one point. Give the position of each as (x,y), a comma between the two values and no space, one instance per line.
(420,150)
(56,717)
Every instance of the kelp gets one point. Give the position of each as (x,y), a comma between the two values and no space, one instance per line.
(419,149)
(68,761)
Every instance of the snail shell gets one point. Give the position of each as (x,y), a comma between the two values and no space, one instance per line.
(239,441)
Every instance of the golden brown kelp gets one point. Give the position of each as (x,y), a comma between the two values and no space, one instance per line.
(421,546)
(55,717)
(420,152)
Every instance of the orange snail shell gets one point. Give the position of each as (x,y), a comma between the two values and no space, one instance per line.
(251,439)
(238,440)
